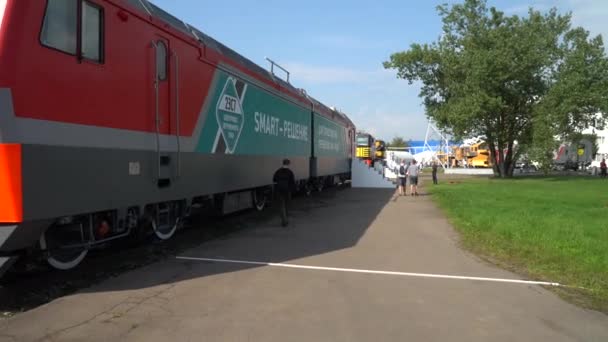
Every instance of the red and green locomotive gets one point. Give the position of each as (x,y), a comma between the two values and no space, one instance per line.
(117,117)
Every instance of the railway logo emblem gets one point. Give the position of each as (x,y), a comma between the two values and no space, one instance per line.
(229,114)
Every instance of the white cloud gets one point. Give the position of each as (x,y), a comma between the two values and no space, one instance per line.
(387,125)
(591,15)
(341,41)
(323,74)
(375,100)
(522,10)
(316,74)
(346,41)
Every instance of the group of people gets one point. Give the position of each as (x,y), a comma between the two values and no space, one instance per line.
(284,181)
(411,171)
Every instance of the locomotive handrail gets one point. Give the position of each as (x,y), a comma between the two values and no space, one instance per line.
(145,7)
(313,152)
(157,108)
(272,64)
(177,110)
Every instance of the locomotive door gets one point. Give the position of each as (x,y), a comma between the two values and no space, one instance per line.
(163,90)
(166,121)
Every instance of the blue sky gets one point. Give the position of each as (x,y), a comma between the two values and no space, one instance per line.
(335,49)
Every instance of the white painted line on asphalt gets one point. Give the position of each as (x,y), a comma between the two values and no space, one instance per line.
(354,270)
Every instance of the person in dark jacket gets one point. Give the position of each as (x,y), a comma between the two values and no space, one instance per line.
(434,172)
(284,184)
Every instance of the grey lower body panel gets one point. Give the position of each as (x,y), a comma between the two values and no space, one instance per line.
(332,166)
(61,181)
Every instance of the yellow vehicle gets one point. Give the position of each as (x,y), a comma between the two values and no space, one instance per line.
(369,149)
(476,155)
(364,147)
(459,155)
(379,150)
(480,155)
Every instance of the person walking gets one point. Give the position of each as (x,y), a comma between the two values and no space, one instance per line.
(412,172)
(603,168)
(402,179)
(284,180)
(434,172)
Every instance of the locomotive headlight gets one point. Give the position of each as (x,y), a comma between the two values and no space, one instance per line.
(2,8)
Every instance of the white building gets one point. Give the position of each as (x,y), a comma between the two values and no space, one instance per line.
(602,139)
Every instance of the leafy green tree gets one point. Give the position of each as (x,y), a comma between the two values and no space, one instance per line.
(544,144)
(398,142)
(506,76)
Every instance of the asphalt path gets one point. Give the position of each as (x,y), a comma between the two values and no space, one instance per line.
(364,265)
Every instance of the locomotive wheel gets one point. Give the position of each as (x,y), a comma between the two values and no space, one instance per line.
(66,261)
(259,199)
(164,232)
(61,258)
(167,218)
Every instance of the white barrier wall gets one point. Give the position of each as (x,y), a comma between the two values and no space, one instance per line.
(461,171)
(362,176)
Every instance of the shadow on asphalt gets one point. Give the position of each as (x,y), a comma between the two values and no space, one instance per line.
(325,222)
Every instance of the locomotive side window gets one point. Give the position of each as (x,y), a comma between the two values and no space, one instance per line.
(59,27)
(92,20)
(161,61)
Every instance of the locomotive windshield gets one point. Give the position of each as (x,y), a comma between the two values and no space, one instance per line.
(362,140)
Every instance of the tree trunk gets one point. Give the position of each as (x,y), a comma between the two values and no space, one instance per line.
(509,160)
(501,164)
(492,148)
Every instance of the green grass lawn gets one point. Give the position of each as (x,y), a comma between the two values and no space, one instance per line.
(553,228)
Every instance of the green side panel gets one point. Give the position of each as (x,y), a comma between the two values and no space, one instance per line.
(210,127)
(246,120)
(330,138)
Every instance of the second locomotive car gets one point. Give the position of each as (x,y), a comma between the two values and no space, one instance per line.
(117,118)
